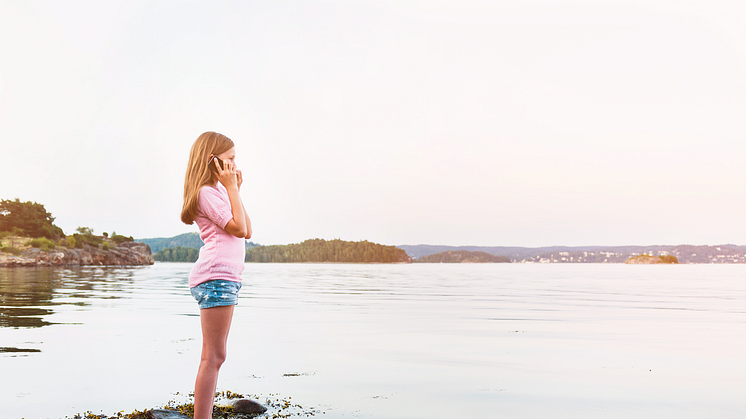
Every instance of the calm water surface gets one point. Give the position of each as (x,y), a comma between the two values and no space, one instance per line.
(387,341)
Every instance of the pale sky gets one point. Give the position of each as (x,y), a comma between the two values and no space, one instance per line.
(496,123)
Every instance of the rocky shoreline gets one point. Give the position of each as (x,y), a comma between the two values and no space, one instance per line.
(124,254)
(652,260)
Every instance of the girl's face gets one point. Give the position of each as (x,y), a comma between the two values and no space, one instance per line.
(229,156)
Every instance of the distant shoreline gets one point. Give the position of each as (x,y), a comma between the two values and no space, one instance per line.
(686,254)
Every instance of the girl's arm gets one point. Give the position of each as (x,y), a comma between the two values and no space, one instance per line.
(248,222)
(237,226)
(239,180)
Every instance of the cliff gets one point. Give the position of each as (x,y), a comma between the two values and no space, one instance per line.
(124,254)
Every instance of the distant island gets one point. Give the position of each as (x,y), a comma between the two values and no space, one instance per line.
(336,251)
(651,260)
(462,256)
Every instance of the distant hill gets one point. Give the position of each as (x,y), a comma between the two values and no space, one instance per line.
(186,240)
(463,256)
(182,240)
(319,250)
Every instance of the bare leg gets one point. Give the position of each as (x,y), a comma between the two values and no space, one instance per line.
(216,322)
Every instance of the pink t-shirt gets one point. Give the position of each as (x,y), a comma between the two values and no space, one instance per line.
(222,256)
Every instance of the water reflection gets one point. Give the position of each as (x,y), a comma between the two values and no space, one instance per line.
(29,295)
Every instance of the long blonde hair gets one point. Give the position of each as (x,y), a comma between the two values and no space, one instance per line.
(197,173)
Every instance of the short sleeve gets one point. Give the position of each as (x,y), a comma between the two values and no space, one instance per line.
(215,206)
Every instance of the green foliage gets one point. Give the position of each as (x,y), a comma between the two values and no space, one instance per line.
(177,254)
(668,259)
(10,249)
(43,243)
(86,231)
(319,250)
(116,238)
(85,235)
(80,240)
(27,218)
(650,259)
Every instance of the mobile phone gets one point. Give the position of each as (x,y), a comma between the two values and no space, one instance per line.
(211,163)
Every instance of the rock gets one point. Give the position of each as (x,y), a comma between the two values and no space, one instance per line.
(85,258)
(651,260)
(56,258)
(42,258)
(248,406)
(125,254)
(643,260)
(164,414)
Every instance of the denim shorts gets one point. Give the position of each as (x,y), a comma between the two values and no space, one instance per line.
(218,292)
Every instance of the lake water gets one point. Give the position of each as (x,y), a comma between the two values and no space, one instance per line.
(387,341)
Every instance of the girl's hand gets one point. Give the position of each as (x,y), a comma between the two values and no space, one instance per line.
(239,178)
(228,175)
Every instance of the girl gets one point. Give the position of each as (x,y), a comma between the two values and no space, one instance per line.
(211,198)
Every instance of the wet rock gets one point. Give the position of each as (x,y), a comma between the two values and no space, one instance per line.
(248,406)
(56,258)
(15,261)
(85,258)
(164,414)
(42,258)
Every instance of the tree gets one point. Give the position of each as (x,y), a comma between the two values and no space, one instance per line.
(116,238)
(31,217)
(86,231)
(177,254)
(319,250)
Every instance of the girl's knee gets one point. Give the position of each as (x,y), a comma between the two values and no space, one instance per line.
(215,359)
